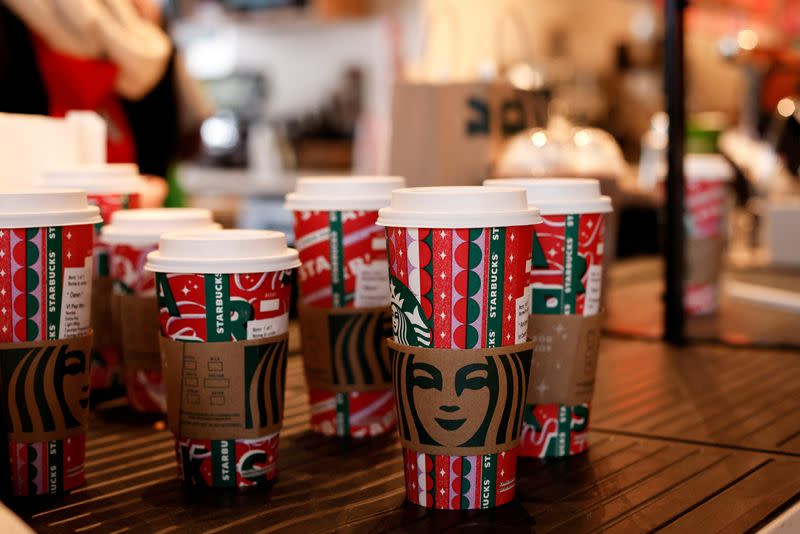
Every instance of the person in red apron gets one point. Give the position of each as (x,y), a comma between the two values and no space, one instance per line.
(109,56)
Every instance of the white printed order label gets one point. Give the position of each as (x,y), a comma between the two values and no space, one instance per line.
(372,285)
(523,312)
(594,282)
(75,300)
(274,326)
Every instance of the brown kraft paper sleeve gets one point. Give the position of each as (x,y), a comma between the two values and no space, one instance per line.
(344,349)
(564,358)
(227,390)
(45,388)
(460,402)
(704,260)
(102,322)
(140,332)
(116,320)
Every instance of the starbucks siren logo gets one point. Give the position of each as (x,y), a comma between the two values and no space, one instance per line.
(407,322)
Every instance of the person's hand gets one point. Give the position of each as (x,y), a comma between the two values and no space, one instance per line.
(149,10)
(124,31)
(140,48)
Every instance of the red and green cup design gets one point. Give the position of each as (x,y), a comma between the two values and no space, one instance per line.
(343,256)
(144,387)
(555,430)
(106,360)
(460,289)
(566,279)
(45,294)
(704,219)
(204,308)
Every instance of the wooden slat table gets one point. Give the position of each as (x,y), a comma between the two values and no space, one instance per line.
(700,439)
(635,307)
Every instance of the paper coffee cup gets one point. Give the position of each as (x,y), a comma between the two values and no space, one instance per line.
(110,187)
(566,282)
(343,265)
(45,295)
(459,259)
(706,198)
(219,287)
(131,236)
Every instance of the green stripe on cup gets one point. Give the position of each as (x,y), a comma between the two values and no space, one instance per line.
(342,415)
(217,311)
(55,464)
(494,288)
(572,277)
(564,420)
(54,281)
(337,259)
(223,462)
(488,480)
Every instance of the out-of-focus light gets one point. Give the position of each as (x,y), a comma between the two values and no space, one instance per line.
(747,39)
(219,132)
(786,107)
(582,138)
(660,122)
(539,139)
(524,77)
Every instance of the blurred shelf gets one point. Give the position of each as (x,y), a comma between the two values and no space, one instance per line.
(205,181)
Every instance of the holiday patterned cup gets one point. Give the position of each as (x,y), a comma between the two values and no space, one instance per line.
(343,265)
(110,187)
(45,295)
(566,280)
(706,198)
(459,259)
(131,236)
(198,304)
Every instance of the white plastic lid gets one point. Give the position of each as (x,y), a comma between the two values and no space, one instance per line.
(143,227)
(222,251)
(557,196)
(333,193)
(458,207)
(107,178)
(707,167)
(33,208)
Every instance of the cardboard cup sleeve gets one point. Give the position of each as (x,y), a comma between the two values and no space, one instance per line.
(344,349)
(102,322)
(565,357)
(556,417)
(46,388)
(460,402)
(225,390)
(139,328)
(704,260)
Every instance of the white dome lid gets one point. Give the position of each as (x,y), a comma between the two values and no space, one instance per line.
(142,227)
(335,193)
(707,167)
(38,207)
(106,178)
(556,196)
(222,251)
(458,207)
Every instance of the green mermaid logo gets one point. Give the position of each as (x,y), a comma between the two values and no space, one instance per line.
(408,324)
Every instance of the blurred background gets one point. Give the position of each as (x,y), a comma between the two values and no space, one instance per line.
(231,100)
